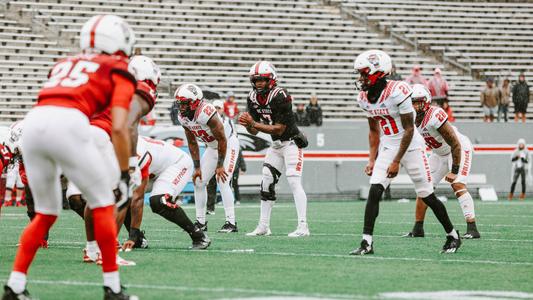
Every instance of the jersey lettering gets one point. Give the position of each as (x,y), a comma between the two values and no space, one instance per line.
(441,115)
(69,74)
(432,143)
(208,110)
(267,118)
(387,123)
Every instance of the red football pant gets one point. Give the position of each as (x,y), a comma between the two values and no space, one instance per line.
(105,233)
(31,240)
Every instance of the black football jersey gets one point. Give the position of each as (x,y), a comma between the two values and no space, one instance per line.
(275,108)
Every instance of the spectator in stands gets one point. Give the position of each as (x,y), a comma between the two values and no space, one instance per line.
(314,111)
(137,51)
(503,107)
(438,87)
(490,97)
(301,115)
(393,75)
(520,98)
(446,107)
(416,76)
(521,168)
(230,106)
(174,111)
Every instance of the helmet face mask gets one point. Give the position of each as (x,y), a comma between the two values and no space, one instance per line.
(421,99)
(421,105)
(367,80)
(260,72)
(188,96)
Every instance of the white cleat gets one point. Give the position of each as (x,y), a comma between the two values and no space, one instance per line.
(92,257)
(125,263)
(261,230)
(301,231)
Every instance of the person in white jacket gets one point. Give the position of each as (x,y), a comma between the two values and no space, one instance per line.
(521,168)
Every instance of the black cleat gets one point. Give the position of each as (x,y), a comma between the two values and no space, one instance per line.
(109,295)
(200,240)
(471,231)
(413,234)
(452,244)
(10,295)
(201,226)
(228,227)
(365,248)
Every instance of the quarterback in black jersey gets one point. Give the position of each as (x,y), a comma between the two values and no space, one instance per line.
(270,111)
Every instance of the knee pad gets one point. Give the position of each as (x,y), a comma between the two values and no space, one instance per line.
(268,184)
(158,203)
(375,192)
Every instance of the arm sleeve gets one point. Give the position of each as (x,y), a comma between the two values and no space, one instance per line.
(282,110)
(122,92)
(252,111)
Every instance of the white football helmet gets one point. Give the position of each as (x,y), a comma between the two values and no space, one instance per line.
(188,96)
(263,70)
(15,136)
(372,65)
(420,94)
(144,68)
(108,34)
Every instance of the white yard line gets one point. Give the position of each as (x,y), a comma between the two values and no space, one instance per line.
(199,289)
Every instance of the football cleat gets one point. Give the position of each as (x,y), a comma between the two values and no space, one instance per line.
(414,234)
(109,295)
(90,257)
(10,295)
(471,231)
(201,226)
(260,230)
(125,263)
(363,249)
(452,244)
(301,231)
(200,240)
(211,212)
(228,227)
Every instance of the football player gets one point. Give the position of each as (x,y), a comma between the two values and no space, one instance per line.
(270,111)
(57,137)
(5,160)
(393,141)
(171,169)
(148,76)
(451,159)
(202,124)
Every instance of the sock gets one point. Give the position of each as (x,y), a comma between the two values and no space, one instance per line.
(440,211)
(372,208)
(105,232)
(266,211)
(453,233)
(30,241)
(300,198)
(471,226)
(112,280)
(368,238)
(228,199)
(467,205)
(92,247)
(178,217)
(127,219)
(200,202)
(419,226)
(17,282)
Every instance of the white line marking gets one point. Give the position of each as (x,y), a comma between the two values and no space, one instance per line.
(199,289)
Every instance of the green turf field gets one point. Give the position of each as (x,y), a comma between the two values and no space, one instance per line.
(280,268)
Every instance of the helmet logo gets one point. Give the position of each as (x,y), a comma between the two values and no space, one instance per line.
(193,90)
(373,59)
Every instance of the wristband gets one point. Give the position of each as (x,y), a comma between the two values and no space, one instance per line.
(455,169)
(196,163)
(251,126)
(220,162)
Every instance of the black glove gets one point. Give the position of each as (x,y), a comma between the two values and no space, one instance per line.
(123,193)
(300,140)
(137,236)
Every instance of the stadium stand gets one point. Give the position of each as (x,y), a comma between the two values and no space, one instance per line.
(214,42)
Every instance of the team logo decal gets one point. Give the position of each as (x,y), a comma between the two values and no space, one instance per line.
(374,60)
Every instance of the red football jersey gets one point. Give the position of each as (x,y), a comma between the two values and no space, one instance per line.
(84,82)
(103,120)
(146,92)
(22,173)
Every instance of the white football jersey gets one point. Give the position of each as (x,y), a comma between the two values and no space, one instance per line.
(198,125)
(157,155)
(394,100)
(429,129)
